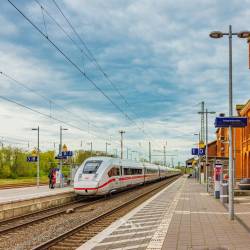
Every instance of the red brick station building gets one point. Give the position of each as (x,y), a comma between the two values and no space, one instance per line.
(219,148)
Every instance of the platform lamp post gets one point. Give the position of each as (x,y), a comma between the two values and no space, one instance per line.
(60,154)
(206,113)
(230,34)
(38,157)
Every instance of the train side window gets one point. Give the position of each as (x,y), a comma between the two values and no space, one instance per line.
(117,171)
(136,171)
(126,171)
(114,171)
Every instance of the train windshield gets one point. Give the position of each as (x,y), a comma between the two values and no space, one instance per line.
(91,167)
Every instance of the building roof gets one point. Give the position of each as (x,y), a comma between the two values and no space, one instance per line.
(212,142)
(245,107)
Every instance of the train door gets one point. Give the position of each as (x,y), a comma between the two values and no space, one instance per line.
(114,175)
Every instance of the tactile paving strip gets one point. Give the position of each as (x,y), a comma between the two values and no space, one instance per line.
(145,227)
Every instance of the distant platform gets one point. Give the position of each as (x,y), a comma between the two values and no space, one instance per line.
(182,216)
(18,194)
(19,201)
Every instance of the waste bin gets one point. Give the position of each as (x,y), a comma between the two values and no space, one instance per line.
(224,192)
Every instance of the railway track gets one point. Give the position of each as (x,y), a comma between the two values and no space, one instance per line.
(38,216)
(78,235)
(21,185)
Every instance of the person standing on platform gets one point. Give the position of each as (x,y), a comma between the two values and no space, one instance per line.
(50,177)
(53,179)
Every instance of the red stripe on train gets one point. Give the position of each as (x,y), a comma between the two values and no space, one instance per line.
(111,180)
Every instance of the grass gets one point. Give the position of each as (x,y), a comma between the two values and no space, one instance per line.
(22,180)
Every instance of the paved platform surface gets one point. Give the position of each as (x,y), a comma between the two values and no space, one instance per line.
(182,216)
(18,194)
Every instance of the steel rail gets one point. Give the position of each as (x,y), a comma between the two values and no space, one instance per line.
(52,242)
(40,216)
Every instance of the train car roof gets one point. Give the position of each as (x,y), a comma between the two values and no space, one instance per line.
(130,163)
(119,161)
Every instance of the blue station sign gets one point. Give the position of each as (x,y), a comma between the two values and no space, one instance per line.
(64,155)
(225,122)
(194,151)
(31,158)
(198,151)
(67,153)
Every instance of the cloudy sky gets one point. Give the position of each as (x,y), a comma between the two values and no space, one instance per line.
(142,66)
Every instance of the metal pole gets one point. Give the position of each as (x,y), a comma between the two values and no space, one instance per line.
(199,161)
(60,154)
(127,153)
(164,151)
(149,152)
(122,132)
(231,194)
(91,148)
(38,157)
(207,149)
(106,148)
(202,122)
(234,165)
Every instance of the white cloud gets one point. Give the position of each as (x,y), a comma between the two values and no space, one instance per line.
(152,50)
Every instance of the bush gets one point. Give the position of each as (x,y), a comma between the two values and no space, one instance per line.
(5,171)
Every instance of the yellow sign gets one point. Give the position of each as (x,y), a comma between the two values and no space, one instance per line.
(34,152)
(194,162)
(201,144)
(64,148)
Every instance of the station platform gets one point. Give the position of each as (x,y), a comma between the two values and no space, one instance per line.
(17,194)
(19,201)
(182,216)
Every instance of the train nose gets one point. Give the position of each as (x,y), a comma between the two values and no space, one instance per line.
(86,187)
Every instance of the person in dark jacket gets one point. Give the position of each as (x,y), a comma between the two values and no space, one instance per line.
(50,176)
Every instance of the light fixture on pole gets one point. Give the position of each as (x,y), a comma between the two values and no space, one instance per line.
(230,34)
(60,154)
(38,156)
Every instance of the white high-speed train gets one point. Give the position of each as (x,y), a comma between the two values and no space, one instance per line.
(104,175)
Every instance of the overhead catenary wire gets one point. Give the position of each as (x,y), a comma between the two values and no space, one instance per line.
(69,60)
(96,62)
(56,119)
(47,99)
(73,63)
(89,54)
(50,117)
